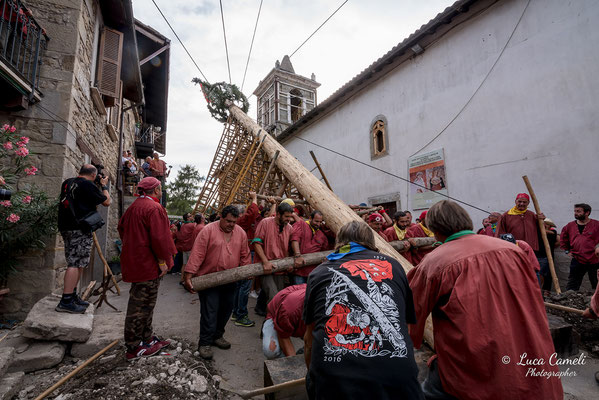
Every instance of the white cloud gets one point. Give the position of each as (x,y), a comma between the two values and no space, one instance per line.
(360,33)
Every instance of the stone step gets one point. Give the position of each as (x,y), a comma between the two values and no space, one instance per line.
(565,338)
(283,370)
(10,385)
(6,355)
(34,355)
(107,328)
(44,323)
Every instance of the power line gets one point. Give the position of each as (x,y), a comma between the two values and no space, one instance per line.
(180,41)
(481,83)
(389,173)
(251,45)
(222,16)
(317,29)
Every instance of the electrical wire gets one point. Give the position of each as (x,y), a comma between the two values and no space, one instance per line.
(180,41)
(317,29)
(389,173)
(251,46)
(222,16)
(480,85)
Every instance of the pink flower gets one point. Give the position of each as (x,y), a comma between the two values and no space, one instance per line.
(5,203)
(31,171)
(14,218)
(12,129)
(24,139)
(7,145)
(6,127)
(22,151)
(27,199)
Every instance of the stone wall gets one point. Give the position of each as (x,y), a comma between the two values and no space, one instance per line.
(65,81)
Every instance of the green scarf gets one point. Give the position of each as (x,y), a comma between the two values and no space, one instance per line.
(458,235)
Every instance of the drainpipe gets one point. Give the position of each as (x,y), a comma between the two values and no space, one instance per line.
(119,170)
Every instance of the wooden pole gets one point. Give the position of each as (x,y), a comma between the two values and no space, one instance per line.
(75,371)
(268,171)
(369,210)
(334,210)
(88,290)
(564,308)
(543,235)
(279,199)
(252,270)
(106,267)
(273,388)
(326,181)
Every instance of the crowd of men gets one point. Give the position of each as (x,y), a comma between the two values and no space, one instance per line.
(359,313)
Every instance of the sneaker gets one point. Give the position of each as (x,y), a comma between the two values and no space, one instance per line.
(221,343)
(233,317)
(254,294)
(206,352)
(78,300)
(71,307)
(156,340)
(143,350)
(245,321)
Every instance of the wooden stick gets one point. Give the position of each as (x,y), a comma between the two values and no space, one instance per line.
(369,210)
(106,267)
(279,199)
(564,308)
(268,171)
(326,181)
(543,235)
(75,371)
(87,292)
(273,388)
(252,270)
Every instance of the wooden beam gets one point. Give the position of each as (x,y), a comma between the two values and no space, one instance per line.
(326,181)
(154,54)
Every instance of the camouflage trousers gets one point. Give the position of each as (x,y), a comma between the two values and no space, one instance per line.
(140,310)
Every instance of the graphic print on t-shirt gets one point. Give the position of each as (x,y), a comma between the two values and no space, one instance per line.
(363,323)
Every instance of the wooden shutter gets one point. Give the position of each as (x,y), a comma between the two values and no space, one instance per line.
(109,62)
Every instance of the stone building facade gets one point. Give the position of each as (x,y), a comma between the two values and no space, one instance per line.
(75,123)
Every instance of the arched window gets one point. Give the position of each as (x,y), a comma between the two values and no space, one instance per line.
(378,138)
(295,97)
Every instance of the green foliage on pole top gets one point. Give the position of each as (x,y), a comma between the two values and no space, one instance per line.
(217,93)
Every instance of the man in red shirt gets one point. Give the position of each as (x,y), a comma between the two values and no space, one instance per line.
(147,254)
(158,168)
(489,328)
(399,229)
(185,237)
(306,238)
(221,245)
(272,243)
(521,222)
(283,321)
(580,237)
(415,231)
(376,221)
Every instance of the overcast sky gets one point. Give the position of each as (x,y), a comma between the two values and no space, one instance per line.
(360,32)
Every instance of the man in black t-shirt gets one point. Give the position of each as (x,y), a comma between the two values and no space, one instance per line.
(357,307)
(78,197)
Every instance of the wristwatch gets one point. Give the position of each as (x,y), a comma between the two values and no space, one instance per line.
(106,188)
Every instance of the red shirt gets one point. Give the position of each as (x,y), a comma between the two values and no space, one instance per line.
(309,242)
(197,230)
(416,254)
(482,314)
(248,221)
(145,232)
(158,167)
(286,309)
(530,254)
(522,227)
(581,245)
(274,243)
(185,237)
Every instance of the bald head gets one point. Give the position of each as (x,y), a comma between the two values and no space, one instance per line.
(88,170)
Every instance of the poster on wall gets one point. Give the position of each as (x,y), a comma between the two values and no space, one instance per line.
(427,174)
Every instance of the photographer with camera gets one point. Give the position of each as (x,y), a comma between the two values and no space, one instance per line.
(77,219)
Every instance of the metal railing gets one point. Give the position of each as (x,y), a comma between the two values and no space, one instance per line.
(21,41)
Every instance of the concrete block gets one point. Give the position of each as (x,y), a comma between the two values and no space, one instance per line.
(6,354)
(38,355)
(107,328)
(44,323)
(10,385)
(565,339)
(284,370)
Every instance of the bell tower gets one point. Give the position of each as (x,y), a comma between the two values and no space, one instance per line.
(284,97)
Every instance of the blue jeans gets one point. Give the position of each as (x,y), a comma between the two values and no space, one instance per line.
(270,341)
(240,300)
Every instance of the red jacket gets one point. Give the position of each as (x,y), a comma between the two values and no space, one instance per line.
(581,245)
(248,221)
(185,237)
(144,230)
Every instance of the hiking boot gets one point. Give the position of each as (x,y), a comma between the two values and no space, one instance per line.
(160,342)
(221,343)
(245,321)
(78,300)
(233,317)
(206,352)
(143,350)
(71,307)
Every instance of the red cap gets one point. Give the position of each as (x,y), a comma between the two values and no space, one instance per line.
(148,183)
(375,217)
(423,215)
(522,195)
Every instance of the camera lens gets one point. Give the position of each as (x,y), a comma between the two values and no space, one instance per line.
(5,194)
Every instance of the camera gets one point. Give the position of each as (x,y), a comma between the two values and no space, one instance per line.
(100,175)
(5,194)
